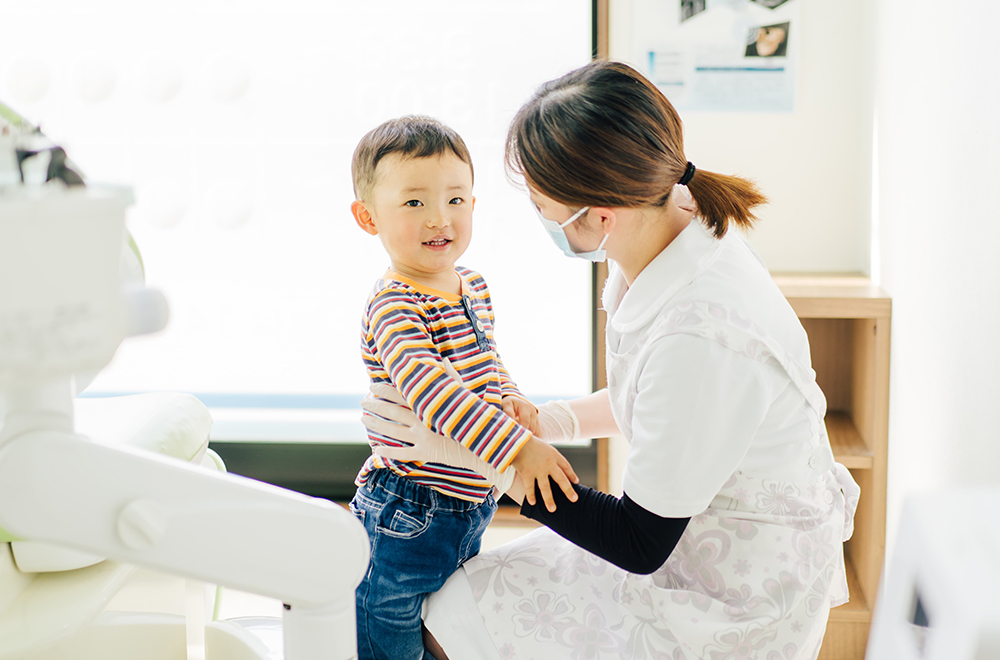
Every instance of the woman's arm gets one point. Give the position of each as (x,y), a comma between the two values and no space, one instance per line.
(593,412)
(618,530)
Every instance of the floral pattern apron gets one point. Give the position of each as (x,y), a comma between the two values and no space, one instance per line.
(753,576)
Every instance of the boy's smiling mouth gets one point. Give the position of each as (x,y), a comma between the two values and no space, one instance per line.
(437,242)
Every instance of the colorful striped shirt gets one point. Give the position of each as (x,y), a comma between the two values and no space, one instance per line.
(406,331)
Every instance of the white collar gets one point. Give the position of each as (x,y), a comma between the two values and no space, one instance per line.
(686,257)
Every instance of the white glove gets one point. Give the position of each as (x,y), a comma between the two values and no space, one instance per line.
(426,445)
(557,422)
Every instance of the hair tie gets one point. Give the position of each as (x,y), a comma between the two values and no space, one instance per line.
(688,174)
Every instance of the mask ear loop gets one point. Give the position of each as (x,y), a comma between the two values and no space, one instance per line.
(574,217)
(577,215)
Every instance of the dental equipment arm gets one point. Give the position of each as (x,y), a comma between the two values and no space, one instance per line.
(161,513)
(63,312)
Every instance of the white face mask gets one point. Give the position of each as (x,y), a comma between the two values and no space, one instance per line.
(555,230)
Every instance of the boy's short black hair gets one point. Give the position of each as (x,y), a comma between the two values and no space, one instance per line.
(415,136)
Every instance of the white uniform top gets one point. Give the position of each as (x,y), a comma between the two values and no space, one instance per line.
(694,409)
(709,379)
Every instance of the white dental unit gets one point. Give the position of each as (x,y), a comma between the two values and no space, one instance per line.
(63,313)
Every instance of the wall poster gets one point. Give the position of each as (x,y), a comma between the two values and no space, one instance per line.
(719,55)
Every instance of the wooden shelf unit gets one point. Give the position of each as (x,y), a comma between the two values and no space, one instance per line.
(848,323)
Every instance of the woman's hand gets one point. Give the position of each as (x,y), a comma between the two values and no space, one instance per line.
(557,422)
(587,417)
(405,426)
(400,423)
(388,414)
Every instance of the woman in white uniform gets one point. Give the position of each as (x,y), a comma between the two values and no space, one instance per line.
(728,540)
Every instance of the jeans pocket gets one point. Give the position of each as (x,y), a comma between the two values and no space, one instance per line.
(408,520)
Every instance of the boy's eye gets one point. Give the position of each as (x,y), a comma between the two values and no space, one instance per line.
(414,202)
(456,200)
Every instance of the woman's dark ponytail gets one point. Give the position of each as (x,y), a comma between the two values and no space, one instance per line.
(722,198)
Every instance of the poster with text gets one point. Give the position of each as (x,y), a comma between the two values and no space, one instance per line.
(719,55)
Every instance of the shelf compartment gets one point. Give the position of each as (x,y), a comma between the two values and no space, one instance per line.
(845,441)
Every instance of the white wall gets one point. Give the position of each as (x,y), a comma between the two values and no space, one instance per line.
(937,250)
(813,163)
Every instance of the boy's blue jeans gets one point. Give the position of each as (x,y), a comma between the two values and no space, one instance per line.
(419,537)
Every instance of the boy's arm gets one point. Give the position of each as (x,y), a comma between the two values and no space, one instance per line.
(413,362)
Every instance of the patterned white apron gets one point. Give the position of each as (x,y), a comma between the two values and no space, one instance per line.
(753,576)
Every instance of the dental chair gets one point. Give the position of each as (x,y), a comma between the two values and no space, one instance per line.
(92,488)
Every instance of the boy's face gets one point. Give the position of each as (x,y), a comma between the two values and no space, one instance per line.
(421,209)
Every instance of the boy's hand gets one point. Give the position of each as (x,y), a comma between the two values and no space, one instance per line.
(535,463)
(522,412)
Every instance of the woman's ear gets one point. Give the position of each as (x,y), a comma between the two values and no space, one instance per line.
(682,198)
(363,217)
(606,216)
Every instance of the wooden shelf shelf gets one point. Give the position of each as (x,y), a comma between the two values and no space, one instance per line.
(856,609)
(848,321)
(835,295)
(848,447)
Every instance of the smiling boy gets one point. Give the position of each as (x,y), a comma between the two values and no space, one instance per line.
(413,182)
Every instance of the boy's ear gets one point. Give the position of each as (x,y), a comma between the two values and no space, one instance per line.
(363,217)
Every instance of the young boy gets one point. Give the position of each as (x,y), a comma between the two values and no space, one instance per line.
(413,182)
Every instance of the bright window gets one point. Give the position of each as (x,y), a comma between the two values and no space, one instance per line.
(235,123)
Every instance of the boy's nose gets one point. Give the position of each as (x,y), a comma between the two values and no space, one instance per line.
(438,219)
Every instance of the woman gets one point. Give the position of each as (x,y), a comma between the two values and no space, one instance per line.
(727,542)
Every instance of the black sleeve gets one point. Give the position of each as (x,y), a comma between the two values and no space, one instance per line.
(618,530)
